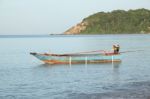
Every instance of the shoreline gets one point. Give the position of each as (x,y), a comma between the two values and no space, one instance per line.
(67,35)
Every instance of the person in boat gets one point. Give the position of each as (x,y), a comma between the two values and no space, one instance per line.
(117,49)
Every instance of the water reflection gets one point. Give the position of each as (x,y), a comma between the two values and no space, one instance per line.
(85,67)
(50,66)
(116,72)
(111,70)
(115,66)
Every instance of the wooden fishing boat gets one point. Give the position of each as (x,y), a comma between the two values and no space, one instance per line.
(78,58)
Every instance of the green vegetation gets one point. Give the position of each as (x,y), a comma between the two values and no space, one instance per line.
(118,21)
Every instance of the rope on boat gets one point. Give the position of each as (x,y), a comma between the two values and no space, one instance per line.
(103,52)
(97,51)
(132,51)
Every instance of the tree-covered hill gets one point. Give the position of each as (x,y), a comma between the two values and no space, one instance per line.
(117,21)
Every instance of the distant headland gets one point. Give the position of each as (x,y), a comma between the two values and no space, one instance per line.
(115,22)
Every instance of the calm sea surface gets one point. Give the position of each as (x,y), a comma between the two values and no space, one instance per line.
(22,76)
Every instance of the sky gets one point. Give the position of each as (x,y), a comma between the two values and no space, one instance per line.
(24,17)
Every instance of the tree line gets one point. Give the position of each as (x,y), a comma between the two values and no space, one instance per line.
(118,21)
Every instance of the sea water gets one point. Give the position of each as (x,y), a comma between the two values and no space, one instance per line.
(22,76)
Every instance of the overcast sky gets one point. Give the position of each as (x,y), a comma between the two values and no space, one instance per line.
(54,16)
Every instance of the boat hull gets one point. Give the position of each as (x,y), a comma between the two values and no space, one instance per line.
(77,59)
(80,62)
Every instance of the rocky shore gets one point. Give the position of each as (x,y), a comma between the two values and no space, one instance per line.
(77,28)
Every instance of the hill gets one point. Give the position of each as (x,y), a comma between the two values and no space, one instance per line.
(115,22)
